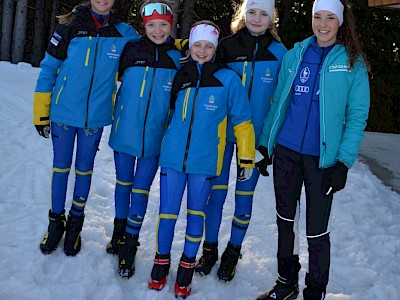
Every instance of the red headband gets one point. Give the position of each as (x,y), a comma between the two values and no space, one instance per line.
(155,15)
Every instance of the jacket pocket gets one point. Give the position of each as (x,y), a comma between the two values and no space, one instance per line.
(61,89)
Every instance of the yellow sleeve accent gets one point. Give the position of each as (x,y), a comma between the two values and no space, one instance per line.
(221,145)
(245,140)
(180,43)
(41,108)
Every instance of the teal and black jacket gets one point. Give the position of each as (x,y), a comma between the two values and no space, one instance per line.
(344,100)
(257,60)
(78,78)
(142,106)
(204,98)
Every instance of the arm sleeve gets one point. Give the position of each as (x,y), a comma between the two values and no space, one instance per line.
(240,117)
(54,57)
(356,116)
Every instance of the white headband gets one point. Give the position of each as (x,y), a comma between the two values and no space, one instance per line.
(204,32)
(265,5)
(334,6)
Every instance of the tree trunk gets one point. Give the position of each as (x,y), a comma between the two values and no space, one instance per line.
(19,31)
(38,33)
(54,13)
(7,30)
(187,17)
(175,11)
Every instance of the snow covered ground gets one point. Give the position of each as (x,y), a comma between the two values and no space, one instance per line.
(365,226)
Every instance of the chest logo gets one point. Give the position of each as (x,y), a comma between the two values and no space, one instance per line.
(304,75)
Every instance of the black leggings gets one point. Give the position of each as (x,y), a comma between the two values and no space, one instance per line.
(291,171)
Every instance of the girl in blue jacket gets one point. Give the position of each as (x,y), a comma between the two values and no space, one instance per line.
(255,53)
(314,130)
(74,96)
(205,95)
(147,68)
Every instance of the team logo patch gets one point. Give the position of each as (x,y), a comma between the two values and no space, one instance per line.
(113,52)
(304,75)
(211,100)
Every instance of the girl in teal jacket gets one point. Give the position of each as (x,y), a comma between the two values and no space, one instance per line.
(75,96)
(314,130)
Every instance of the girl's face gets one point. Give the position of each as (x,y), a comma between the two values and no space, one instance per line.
(202,51)
(325,26)
(102,7)
(257,21)
(158,30)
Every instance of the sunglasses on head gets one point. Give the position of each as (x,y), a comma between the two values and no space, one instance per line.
(160,8)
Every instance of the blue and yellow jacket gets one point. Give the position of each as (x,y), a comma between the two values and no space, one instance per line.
(141,110)
(257,60)
(203,99)
(78,78)
(344,101)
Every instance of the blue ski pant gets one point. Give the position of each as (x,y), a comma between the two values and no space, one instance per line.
(243,202)
(132,188)
(172,186)
(87,143)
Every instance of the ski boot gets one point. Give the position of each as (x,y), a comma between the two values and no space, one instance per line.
(72,242)
(117,236)
(208,259)
(159,272)
(282,290)
(55,231)
(127,253)
(313,290)
(229,261)
(184,277)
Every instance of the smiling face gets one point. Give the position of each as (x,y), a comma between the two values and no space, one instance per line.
(157,30)
(325,26)
(257,21)
(202,51)
(102,7)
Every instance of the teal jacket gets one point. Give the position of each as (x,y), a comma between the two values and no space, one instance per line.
(344,104)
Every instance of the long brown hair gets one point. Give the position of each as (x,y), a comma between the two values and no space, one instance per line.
(238,20)
(348,37)
(70,16)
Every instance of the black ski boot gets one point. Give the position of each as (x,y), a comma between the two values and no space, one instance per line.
(229,261)
(313,290)
(208,259)
(55,231)
(72,242)
(184,277)
(117,236)
(127,253)
(160,270)
(282,290)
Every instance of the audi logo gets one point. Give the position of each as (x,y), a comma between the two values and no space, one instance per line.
(302,89)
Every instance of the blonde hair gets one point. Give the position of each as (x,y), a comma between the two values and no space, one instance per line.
(238,20)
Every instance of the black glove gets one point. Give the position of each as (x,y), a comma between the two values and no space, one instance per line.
(265,162)
(43,130)
(334,178)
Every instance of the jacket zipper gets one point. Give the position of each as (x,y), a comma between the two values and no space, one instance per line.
(191,123)
(148,99)
(253,64)
(92,78)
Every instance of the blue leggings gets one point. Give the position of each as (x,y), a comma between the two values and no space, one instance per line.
(132,188)
(243,202)
(63,138)
(172,186)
